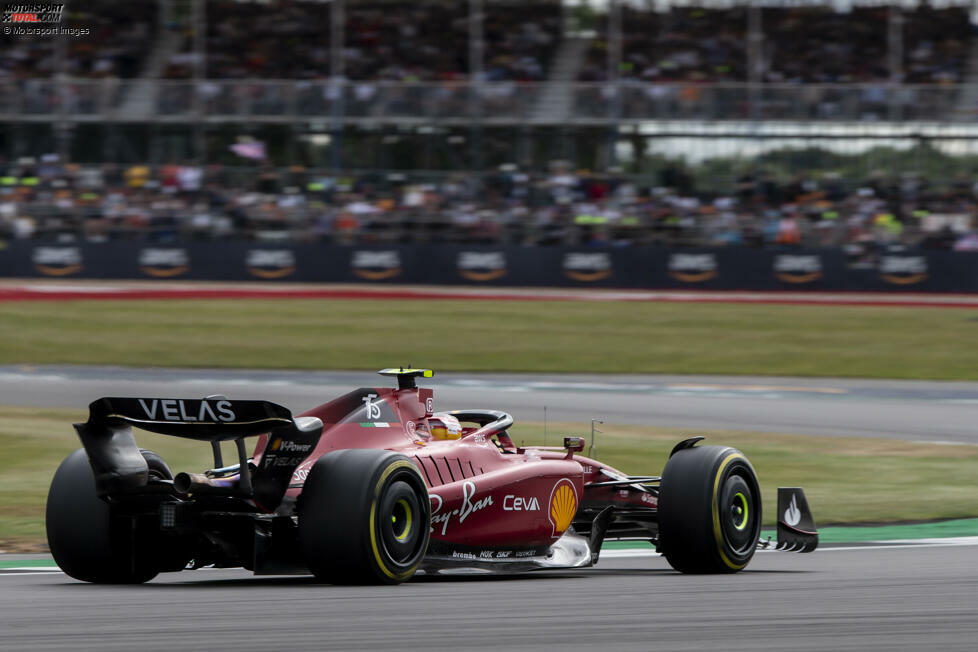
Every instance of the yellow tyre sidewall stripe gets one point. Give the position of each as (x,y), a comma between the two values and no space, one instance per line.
(400,464)
(717,531)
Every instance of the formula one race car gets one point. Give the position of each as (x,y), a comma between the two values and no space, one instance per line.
(375,485)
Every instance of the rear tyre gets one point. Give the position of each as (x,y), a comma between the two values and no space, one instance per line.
(364,518)
(709,510)
(87,540)
(158,469)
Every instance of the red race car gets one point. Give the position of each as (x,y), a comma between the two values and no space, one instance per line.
(376,485)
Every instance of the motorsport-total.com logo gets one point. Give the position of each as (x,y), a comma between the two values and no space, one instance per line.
(33,13)
(37,19)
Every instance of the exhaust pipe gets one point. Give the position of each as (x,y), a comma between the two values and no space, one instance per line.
(185,483)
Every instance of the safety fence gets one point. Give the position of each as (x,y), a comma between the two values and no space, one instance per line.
(651,268)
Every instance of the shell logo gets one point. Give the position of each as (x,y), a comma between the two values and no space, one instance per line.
(563,506)
(276,444)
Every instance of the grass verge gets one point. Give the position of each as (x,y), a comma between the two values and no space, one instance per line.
(846,480)
(553,336)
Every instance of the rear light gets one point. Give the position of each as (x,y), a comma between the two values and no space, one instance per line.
(168,516)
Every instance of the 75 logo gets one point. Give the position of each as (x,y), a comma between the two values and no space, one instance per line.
(373,407)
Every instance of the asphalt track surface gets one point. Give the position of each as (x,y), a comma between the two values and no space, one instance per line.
(834,599)
(907,410)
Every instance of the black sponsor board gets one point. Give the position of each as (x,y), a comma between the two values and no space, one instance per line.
(633,267)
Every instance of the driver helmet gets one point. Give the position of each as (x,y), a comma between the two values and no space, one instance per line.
(444,426)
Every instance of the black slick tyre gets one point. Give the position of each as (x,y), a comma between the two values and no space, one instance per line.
(709,510)
(158,468)
(87,540)
(364,518)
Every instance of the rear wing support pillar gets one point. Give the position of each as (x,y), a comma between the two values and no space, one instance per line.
(218,455)
(244,477)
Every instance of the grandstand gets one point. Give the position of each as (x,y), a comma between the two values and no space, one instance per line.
(684,123)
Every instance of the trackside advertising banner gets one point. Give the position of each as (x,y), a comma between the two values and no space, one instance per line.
(649,268)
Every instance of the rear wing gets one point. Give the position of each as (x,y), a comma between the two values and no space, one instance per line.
(214,418)
(119,466)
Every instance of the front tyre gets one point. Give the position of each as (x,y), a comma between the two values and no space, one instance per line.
(709,510)
(87,541)
(364,517)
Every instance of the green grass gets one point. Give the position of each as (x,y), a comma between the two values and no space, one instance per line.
(551,336)
(846,480)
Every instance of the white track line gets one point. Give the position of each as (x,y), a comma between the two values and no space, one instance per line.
(870,545)
(898,544)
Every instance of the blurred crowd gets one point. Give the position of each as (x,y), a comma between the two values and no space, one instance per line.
(383,41)
(429,41)
(807,45)
(115,47)
(800,45)
(681,45)
(290,39)
(45,200)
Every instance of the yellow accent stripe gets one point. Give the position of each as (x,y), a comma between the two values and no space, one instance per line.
(49,270)
(743,521)
(587,277)
(378,275)
(717,532)
(164,272)
(399,371)
(801,278)
(903,280)
(694,277)
(373,516)
(281,272)
(482,276)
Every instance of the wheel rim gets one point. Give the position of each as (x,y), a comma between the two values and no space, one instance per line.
(400,523)
(741,511)
(402,520)
(738,514)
